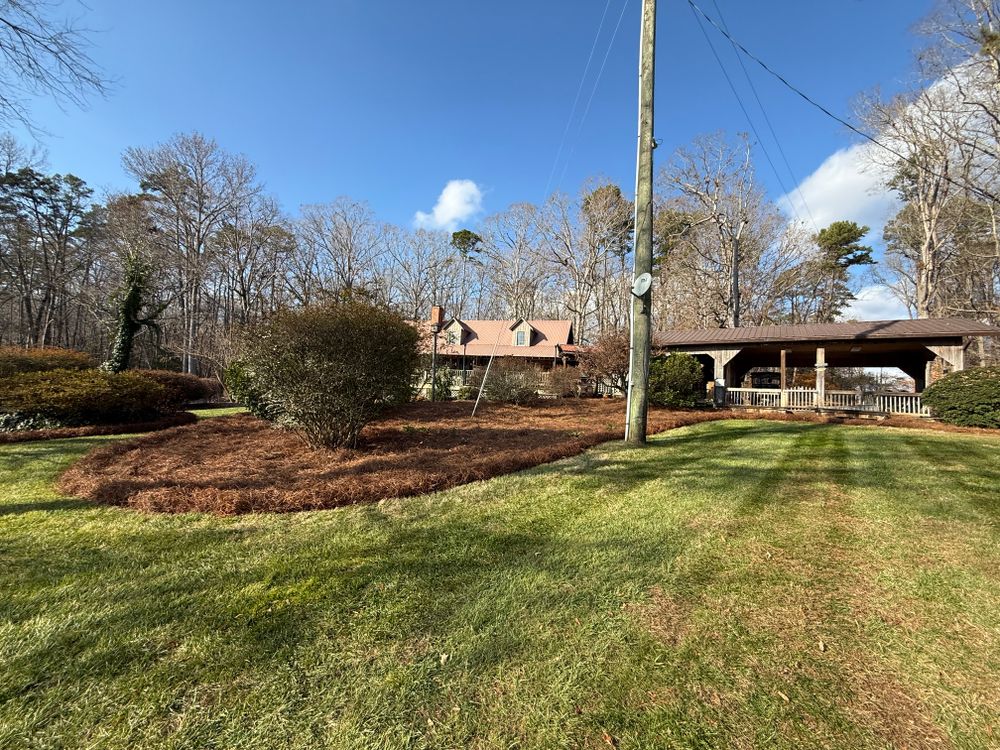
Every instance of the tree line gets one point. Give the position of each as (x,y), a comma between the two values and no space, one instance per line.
(200,250)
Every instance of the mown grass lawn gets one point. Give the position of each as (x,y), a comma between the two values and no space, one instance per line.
(735,584)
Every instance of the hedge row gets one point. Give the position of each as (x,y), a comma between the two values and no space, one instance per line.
(68,398)
(15,360)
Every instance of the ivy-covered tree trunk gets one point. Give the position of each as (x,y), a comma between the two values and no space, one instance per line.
(129,320)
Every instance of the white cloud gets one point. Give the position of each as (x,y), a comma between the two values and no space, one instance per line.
(875,302)
(459,201)
(844,187)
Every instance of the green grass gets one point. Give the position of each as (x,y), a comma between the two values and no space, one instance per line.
(737,584)
(224,411)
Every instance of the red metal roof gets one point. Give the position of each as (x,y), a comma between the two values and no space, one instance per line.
(867,329)
(482,335)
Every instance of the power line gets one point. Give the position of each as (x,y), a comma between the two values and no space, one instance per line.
(763,111)
(971,188)
(597,82)
(576,99)
(739,100)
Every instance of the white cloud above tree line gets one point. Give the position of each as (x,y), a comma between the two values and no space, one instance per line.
(875,302)
(459,201)
(845,187)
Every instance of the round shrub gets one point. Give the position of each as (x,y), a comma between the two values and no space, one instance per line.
(510,381)
(14,359)
(330,370)
(181,387)
(71,398)
(970,398)
(675,380)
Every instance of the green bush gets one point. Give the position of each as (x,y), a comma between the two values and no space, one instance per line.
(970,398)
(181,387)
(81,397)
(14,360)
(243,389)
(675,380)
(330,370)
(510,381)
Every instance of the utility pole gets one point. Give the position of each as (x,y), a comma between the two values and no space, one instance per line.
(637,398)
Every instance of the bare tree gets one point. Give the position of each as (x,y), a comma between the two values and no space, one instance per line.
(715,180)
(196,186)
(516,279)
(580,241)
(343,241)
(425,271)
(42,55)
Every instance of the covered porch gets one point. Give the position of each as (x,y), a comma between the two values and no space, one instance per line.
(913,346)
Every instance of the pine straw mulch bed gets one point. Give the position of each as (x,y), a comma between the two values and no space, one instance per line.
(240,464)
(58,433)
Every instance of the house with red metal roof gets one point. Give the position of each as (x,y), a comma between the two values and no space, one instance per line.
(467,344)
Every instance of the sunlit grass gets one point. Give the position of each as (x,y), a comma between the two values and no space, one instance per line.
(224,411)
(737,584)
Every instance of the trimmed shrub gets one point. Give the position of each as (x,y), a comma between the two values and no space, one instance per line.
(510,381)
(180,386)
(14,360)
(80,397)
(675,380)
(970,398)
(327,371)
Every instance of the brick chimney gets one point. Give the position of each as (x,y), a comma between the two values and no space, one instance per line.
(437,316)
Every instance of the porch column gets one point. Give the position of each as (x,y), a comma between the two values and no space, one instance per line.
(721,358)
(820,377)
(784,378)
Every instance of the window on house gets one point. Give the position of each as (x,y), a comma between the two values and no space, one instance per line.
(522,338)
(452,338)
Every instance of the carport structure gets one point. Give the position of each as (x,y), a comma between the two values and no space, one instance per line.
(729,354)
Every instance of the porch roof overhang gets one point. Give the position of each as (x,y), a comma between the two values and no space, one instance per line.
(923,331)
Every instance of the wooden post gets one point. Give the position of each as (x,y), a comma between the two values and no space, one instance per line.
(820,377)
(784,378)
(637,397)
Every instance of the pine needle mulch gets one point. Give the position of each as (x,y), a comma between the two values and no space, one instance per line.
(240,464)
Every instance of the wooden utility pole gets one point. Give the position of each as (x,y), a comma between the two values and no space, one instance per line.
(638,375)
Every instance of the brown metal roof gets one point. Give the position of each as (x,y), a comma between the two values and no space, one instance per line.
(866,329)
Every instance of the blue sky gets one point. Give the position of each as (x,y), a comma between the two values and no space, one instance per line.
(388,101)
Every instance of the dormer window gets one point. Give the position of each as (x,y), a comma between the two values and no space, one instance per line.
(452,337)
(522,338)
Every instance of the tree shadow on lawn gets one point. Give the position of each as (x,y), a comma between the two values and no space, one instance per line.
(755,460)
(417,580)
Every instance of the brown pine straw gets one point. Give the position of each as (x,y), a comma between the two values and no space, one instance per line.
(239,464)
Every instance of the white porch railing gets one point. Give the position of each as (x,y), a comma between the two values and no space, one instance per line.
(807,398)
(896,403)
(764,398)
